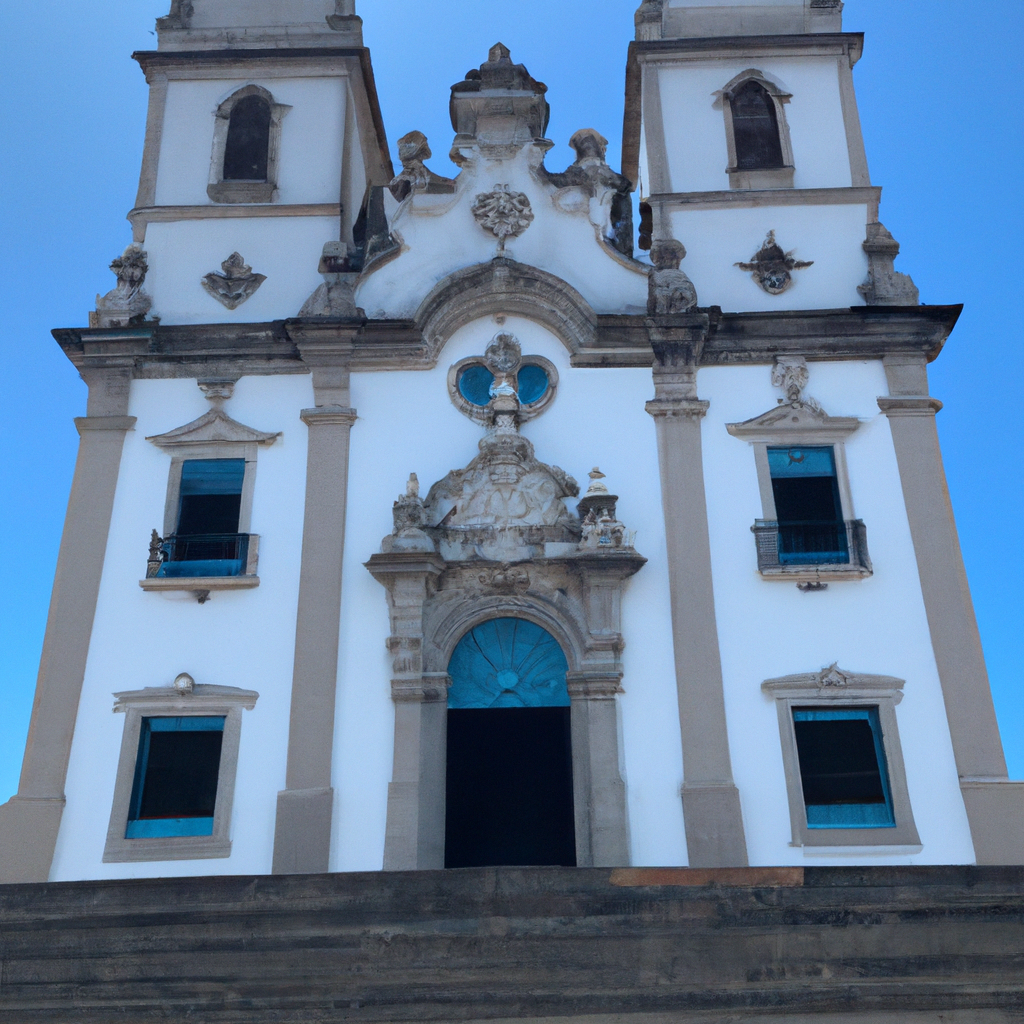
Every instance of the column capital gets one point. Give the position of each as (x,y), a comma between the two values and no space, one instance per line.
(594,685)
(118,423)
(328,415)
(682,407)
(909,405)
(429,688)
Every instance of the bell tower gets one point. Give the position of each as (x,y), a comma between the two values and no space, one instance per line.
(743,134)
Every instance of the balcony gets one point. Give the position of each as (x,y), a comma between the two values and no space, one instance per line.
(812,552)
(201,563)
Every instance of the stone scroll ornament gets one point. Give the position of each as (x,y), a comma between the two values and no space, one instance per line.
(770,266)
(504,213)
(237,284)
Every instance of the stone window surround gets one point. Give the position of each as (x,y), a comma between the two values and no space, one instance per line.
(481,414)
(832,431)
(757,178)
(221,191)
(856,690)
(162,702)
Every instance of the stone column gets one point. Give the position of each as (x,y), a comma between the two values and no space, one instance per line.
(30,821)
(711,805)
(995,806)
(302,834)
(414,838)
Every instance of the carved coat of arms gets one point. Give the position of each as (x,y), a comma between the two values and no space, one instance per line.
(504,213)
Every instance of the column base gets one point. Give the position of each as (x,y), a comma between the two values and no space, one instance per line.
(714,826)
(28,838)
(302,833)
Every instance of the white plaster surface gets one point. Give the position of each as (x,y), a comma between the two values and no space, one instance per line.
(829,236)
(695,140)
(244,639)
(597,418)
(770,629)
(439,236)
(311,138)
(285,249)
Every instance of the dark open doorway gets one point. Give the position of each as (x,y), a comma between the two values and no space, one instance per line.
(509,775)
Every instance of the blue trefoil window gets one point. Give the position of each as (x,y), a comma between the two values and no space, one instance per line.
(176,772)
(207,541)
(808,507)
(475,384)
(843,768)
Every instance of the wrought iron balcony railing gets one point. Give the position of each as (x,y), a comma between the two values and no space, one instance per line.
(790,547)
(198,555)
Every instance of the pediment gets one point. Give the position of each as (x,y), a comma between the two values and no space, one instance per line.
(214,427)
(796,421)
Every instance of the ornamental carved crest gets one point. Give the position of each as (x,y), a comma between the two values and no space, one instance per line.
(770,266)
(237,284)
(504,213)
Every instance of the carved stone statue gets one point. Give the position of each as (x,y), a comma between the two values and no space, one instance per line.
(127,303)
(504,213)
(415,176)
(611,189)
(236,285)
(670,291)
(770,266)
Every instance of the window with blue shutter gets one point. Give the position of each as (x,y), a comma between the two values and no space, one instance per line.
(808,508)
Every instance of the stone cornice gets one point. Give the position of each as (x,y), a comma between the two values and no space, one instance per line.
(204,350)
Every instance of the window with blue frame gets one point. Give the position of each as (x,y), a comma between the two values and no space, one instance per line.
(207,541)
(843,768)
(808,508)
(176,772)
(475,383)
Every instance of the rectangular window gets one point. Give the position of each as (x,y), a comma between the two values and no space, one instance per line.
(843,769)
(808,508)
(176,772)
(206,541)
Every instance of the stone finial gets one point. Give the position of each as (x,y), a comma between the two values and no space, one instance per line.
(409,516)
(184,683)
(415,176)
(235,285)
(885,285)
(770,266)
(412,487)
(128,303)
(597,501)
(156,556)
(336,297)
(596,487)
(670,291)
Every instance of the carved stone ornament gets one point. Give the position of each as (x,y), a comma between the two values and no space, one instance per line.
(504,213)
(127,303)
(509,578)
(790,373)
(833,676)
(770,266)
(885,285)
(670,291)
(236,285)
(415,176)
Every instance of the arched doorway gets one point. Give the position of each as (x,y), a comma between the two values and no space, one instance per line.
(509,796)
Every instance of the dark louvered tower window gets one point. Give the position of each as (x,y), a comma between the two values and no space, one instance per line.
(755,128)
(248,147)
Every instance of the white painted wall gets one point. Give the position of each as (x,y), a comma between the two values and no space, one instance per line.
(407,424)
(244,639)
(830,236)
(285,249)
(695,135)
(311,138)
(771,629)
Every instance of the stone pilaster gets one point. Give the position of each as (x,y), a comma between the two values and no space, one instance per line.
(414,838)
(30,821)
(711,805)
(995,806)
(302,834)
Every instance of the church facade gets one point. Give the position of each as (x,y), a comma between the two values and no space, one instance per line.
(425,522)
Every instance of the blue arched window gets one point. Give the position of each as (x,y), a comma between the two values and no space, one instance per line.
(508,663)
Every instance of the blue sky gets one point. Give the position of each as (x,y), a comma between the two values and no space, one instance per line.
(938,89)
